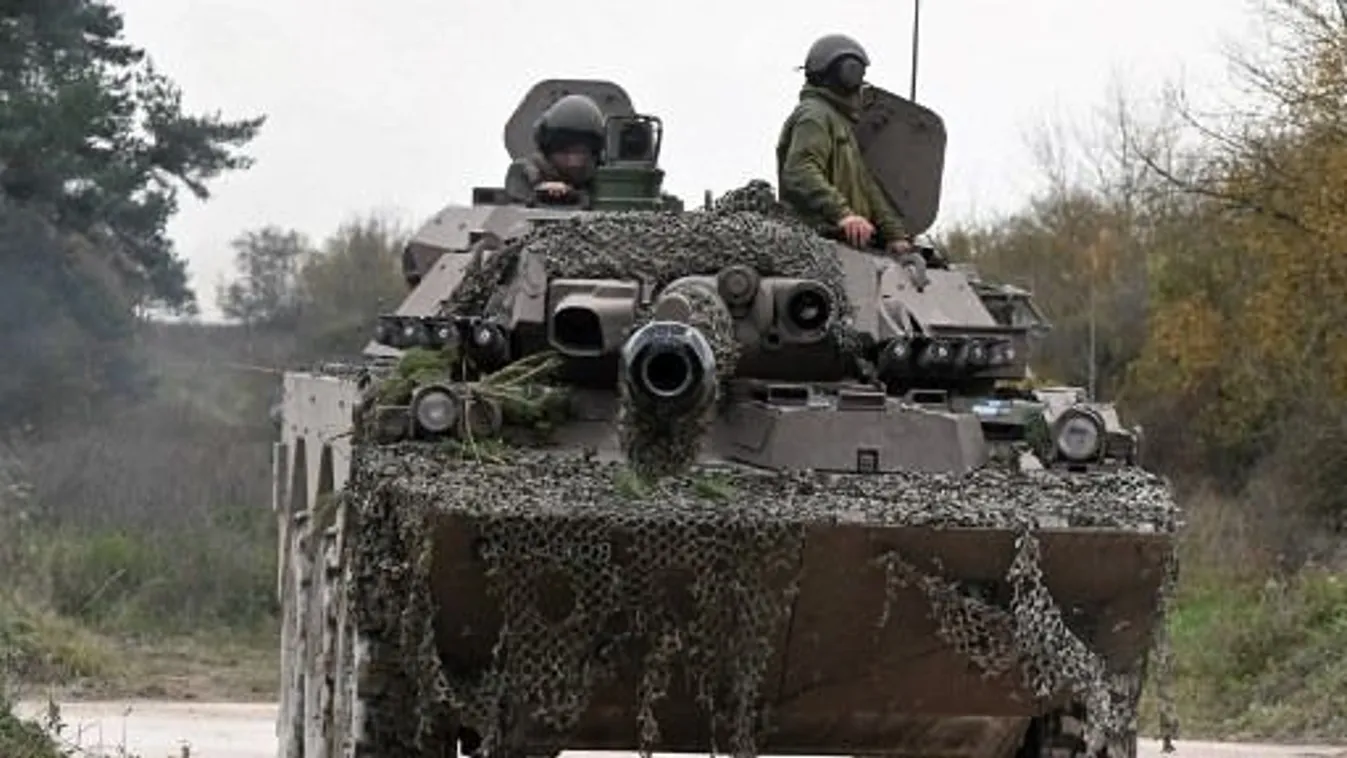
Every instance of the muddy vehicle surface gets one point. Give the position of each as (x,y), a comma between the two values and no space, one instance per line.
(621,475)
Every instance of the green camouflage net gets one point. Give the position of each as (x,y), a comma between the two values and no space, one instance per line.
(1031,637)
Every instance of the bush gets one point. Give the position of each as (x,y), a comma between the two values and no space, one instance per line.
(20,738)
(166,582)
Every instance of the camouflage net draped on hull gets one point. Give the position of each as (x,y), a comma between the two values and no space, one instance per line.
(738,547)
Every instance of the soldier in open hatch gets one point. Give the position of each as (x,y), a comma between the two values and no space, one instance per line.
(569,137)
(820,170)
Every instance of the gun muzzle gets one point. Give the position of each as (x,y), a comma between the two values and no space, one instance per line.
(669,364)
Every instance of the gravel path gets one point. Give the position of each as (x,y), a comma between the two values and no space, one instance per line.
(153,729)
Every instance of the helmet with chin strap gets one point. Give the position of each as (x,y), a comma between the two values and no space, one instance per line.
(836,59)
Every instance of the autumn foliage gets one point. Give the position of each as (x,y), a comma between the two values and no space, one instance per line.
(1210,254)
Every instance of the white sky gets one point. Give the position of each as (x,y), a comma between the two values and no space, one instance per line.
(399,105)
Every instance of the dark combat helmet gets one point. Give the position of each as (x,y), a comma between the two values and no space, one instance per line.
(572,119)
(828,50)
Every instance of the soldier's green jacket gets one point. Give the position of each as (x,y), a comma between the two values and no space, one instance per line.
(820,170)
(530,171)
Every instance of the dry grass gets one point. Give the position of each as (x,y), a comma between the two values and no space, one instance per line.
(206,668)
(40,645)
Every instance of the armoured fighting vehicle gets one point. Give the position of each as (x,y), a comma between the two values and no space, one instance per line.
(623,475)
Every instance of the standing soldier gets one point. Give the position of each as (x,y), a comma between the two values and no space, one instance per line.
(569,137)
(820,169)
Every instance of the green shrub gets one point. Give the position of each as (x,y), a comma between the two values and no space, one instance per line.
(171,581)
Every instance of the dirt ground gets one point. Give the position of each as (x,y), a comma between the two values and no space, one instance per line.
(158,729)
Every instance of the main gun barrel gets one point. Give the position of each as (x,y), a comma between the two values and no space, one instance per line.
(669,365)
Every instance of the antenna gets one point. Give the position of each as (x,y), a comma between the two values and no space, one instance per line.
(916,38)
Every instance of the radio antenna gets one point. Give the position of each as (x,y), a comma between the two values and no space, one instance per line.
(916,39)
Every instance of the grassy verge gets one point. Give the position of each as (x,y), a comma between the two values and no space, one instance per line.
(50,655)
(178,614)
(1258,656)
(21,738)
(47,656)
(138,555)
(1264,662)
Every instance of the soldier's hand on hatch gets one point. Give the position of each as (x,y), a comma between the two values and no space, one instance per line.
(857,229)
(554,189)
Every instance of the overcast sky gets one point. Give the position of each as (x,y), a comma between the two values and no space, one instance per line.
(400,104)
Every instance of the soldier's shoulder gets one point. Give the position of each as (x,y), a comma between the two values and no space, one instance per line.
(813,110)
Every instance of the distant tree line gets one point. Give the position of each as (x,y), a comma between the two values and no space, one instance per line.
(327,295)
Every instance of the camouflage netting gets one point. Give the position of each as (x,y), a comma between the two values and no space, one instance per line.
(738,548)
(1032,637)
(747,227)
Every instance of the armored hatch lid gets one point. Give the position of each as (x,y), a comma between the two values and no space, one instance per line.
(904,146)
(948,301)
(610,97)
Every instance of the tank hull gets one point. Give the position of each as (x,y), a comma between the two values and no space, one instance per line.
(843,679)
(860,665)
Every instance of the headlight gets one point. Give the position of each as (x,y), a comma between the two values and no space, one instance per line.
(1002,354)
(413,333)
(976,354)
(936,353)
(442,331)
(1079,435)
(435,410)
(737,285)
(386,331)
(488,346)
